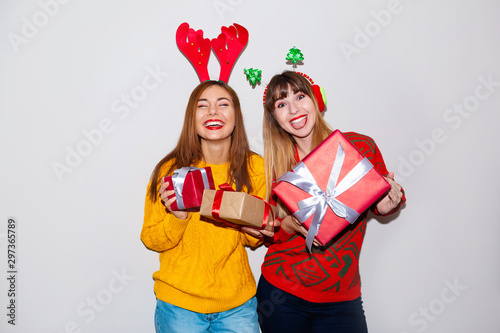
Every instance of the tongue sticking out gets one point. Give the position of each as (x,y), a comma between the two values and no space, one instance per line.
(299,122)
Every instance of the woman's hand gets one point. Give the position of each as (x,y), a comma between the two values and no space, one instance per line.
(290,224)
(164,194)
(392,198)
(262,232)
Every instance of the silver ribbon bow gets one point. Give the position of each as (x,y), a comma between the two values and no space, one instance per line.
(319,201)
(178,178)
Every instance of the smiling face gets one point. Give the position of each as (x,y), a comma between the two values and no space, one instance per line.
(296,114)
(215,116)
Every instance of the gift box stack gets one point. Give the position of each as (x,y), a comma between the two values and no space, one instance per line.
(194,188)
(330,188)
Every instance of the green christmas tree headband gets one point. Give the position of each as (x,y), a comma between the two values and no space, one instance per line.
(294,55)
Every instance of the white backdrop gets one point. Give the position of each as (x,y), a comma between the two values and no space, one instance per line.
(92,96)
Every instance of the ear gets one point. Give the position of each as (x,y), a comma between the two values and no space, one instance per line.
(319,93)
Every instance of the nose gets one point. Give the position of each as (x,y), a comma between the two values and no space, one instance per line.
(294,107)
(212,110)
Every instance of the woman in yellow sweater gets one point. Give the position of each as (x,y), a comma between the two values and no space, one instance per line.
(205,283)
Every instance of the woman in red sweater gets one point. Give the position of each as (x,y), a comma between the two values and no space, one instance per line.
(318,291)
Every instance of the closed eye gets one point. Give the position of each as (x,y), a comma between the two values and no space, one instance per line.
(223,101)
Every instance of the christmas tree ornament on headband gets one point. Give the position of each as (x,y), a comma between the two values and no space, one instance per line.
(227,48)
(294,56)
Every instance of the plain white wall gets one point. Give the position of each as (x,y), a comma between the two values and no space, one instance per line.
(420,77)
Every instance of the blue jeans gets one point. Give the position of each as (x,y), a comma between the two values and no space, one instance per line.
(173,319)
(280,311)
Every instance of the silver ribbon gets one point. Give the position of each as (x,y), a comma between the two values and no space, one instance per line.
(178,178)
(319,201)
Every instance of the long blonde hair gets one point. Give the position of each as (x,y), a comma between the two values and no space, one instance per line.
(188,151)
(279,147)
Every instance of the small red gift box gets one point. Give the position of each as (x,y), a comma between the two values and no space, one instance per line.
(189,184)
(330,188)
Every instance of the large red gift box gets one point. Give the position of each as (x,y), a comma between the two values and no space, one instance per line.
(189,184)
(334,174)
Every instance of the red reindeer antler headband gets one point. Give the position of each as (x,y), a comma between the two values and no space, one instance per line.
(227,48)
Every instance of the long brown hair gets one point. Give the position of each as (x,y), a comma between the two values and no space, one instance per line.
(279,149)
(188,151)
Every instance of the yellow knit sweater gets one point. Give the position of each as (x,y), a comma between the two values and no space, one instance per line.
(203,264)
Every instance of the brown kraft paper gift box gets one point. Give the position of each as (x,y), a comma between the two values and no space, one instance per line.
(237,208)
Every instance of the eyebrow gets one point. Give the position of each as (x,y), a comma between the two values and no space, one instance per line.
(218,99)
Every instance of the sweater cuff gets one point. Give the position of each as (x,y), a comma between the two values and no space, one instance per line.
(280,236)
(177,224)
(395,209)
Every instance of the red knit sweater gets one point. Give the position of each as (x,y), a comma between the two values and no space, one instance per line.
(330,274)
